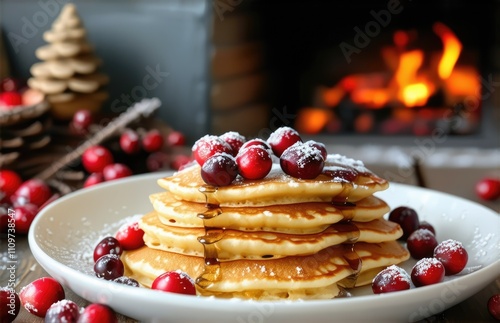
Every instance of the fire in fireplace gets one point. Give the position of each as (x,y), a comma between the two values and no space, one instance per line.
(386,69)
(413,92)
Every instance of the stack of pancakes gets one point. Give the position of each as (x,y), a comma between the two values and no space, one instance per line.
(275,238)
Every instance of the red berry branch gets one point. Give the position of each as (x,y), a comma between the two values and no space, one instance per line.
(143,108)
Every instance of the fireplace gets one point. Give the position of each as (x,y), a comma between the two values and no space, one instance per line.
(386,71)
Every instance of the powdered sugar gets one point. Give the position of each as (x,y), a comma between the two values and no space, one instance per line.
(450,245)
(280,133)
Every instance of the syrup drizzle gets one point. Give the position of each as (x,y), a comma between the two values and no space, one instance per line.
(341,203)
(212,271)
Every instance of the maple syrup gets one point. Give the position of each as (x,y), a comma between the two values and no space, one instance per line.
(212,271)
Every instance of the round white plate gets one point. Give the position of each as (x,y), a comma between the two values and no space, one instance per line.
(64,234)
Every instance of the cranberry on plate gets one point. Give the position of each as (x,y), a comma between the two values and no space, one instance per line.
(421,243)
(174,282)
(302,161)
(407,218)
(391,279)
(209,145)
(427,271)
(219,170)
(282,138)
(254,162)
(452,254)
(130,236)
(109,267)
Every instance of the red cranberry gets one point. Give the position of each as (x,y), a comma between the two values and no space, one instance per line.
(40,294)
(24,216)
(209,145)
(81,121)
(180,161)
(254,162)
(256,142)
(342,174)
(302,161)
(428,226)
(116,171)
(488,189)
(391,279)
(108,245)
(174,282)
(126,281)
(95,158)
(427,271)
(152,141)
(282,138)
(421,244)
(10,99)
(176,138)
(407,218)
(494,306)
(234,139)
(130,142)
(109,267)
(32,191)
(219,170)
(97,313)
(93,179)
(9,183)
(452,255)
(130,236)
(62,311)
(9,304)
(320,146)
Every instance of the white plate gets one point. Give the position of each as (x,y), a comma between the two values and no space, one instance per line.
(64,234)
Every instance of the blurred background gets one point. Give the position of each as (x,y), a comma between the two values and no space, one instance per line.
(394,83)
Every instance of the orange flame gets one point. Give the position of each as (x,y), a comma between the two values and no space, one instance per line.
(451,50)
(406,82)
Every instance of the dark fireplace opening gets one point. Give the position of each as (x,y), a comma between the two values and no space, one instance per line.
(385,69)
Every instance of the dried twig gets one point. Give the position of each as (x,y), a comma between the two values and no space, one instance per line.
(143,108)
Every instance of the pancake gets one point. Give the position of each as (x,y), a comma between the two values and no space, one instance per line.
(294,277)
(236,244)
(279,188)
(311,217)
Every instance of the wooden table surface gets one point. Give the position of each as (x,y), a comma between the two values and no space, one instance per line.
(473,309)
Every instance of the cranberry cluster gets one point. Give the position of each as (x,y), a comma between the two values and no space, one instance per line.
(45,297)
(25,198)
(107,262)
(435,260)
(99,160)
(223,158)
(14,93)
(109,266)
